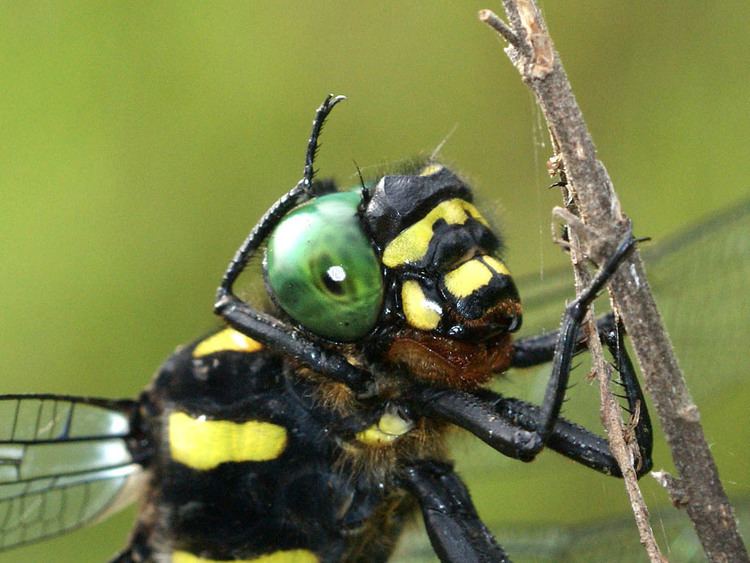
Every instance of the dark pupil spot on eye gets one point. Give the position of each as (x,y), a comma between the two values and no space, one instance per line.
(332,285)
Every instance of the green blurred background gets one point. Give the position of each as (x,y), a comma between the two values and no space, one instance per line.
(140,141)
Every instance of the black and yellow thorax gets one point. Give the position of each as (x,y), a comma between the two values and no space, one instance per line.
(248,442)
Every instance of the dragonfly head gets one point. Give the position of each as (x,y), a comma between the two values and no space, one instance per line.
(408,271)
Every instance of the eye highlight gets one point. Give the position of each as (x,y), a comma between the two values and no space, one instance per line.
(333,279)
(322,269)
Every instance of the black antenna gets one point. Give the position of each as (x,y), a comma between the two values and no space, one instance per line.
(271,331)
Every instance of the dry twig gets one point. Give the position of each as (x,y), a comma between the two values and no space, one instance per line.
(532,52)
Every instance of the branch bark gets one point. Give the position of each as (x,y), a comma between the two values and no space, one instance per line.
(593,198)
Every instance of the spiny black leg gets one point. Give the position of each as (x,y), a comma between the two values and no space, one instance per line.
(284,205)
(455,530)
(633,394)
(274,334)
(509,425)
(580,444)
(262,229)
(265,328)
(312,144)
(478,416)
(571,439)
(540,349)
(568,337)
(567,438)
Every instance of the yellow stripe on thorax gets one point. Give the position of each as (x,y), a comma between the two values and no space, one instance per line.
(203,444)
(282,556)
(411,244)
(227,340)
(385,431)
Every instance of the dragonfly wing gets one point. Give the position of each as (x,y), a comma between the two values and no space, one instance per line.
(64,463)
(700,278)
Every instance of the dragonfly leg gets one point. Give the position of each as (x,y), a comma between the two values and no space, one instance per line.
(265,328)
(567,340)
(510,425)
(573,440)
(287,340)
(478,413)
(540,349)
(455,530)
(304,189)
(582,445)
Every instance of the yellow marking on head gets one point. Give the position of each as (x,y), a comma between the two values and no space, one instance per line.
(420,312)
(467,278)
(385,431)
(281,556)
(431,169)
(203,444)
(474,212)
(411,244)
(497,265)
(227,340)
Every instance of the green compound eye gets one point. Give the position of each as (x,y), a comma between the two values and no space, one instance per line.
(322,269)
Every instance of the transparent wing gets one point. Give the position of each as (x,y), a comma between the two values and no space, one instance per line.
(64,463)
(701,279)
(556,510)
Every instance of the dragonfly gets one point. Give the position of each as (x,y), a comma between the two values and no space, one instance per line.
(68,462)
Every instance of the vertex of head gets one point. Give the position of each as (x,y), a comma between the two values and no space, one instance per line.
(400,200)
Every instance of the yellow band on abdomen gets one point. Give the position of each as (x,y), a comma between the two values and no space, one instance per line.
(203,444)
